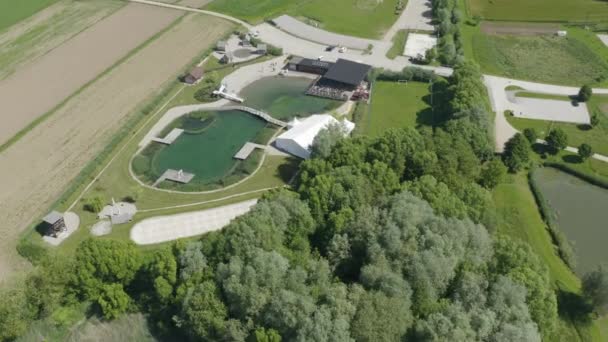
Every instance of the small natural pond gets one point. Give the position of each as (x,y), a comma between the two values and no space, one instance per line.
(581,211)
(206,149)
(284,97)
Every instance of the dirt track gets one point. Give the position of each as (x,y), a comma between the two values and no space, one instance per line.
(40,86)
(39,167)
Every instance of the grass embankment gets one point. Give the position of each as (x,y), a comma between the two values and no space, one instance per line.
(362,18)
(395,105)
(532,95)
(540,10)
(597,136)
(399,41)
(518,217)
(548,59)
(12,12)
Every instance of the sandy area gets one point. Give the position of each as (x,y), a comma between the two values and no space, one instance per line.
(48,29)
(37,88)
(38,168)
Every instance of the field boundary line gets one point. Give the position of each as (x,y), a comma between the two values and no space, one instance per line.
(125,144)
(53,110)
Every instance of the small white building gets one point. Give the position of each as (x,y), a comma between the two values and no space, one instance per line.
(417,45)
(298,139)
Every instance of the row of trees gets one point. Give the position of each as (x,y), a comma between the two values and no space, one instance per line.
(448,16)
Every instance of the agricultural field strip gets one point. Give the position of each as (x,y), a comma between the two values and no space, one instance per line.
(32,38)
(64,70)
(54,152)
(195,10)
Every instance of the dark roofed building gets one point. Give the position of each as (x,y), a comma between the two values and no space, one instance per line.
(347,72)
(194,75)
(55,223)
(312,66)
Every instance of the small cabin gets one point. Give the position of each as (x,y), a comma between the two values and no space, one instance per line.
(262,49)
(194,75)
(220,46)
(55,223)
(226,59)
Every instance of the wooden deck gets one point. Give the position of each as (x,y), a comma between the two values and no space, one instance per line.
(246,150)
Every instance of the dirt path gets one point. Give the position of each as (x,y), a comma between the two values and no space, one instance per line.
(39,167)
(36,89)
(48,29)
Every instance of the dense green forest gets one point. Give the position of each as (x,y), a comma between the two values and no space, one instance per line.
(383,239)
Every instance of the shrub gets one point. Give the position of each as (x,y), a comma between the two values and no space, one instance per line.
(585,151)
(94,205)
(531,135)
(584,94)
(274,51)
(557,139)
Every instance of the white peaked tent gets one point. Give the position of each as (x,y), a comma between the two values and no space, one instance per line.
(298,139)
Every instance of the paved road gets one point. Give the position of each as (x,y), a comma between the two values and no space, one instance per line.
(168,228)
(548,110)
(416,16)
(500,101)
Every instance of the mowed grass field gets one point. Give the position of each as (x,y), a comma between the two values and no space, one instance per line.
(13,11)
(540,10)
(363,18)
(547,59)
(396,105)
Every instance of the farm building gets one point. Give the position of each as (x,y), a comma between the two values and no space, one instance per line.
(55,223)
(194,75)
(299,138)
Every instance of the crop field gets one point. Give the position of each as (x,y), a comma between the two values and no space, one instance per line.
(64,70)
(37,35)
(540,10)
(11,12)
(556,60)
(362,18)
(50,156)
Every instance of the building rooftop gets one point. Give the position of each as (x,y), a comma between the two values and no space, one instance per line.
(348,72)
(52,217)
(311,62)
(197,72)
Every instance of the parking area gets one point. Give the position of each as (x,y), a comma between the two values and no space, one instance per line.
(549,110)
(172,227)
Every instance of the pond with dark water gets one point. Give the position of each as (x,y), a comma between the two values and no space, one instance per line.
(581,211)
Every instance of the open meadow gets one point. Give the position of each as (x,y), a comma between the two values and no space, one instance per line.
(546,59)
(61,72)
(362,18)
(37,35)
(540,10)
(53,153)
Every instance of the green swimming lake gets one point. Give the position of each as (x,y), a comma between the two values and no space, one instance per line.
(284,97)
(206,148)
(581,211)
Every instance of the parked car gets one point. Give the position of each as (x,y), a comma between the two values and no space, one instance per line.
(330,48)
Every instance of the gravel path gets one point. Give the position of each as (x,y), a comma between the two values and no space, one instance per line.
(416,16)
(168,228)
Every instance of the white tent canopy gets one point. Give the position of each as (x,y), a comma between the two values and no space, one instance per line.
(298,139)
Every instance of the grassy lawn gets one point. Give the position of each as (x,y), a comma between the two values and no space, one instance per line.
(556,60)
(597,137)
(363,18)
(540,10)
(541,96)
(397,105)
(12,12)
(519,218)
(399,41)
